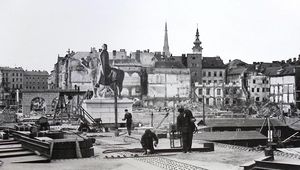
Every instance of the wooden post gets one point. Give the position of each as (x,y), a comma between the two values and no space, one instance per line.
(116,110)
(203,104)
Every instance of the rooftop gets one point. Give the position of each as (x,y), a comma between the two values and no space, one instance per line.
(212,62)
(280,71)
(169,64)
(236,71)
(36,73)
(242,122)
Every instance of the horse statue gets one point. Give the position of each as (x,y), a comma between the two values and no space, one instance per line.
(115,77)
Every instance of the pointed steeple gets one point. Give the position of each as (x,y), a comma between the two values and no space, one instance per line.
(166,51)
(197,43)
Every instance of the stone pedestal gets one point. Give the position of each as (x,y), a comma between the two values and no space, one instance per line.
(104,108)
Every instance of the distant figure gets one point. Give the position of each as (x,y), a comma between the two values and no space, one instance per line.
(147,141)
(128,118)
(186,125)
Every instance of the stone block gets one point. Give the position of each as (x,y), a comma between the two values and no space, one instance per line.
(104,108)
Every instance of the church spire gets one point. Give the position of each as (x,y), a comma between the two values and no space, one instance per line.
(166,51)
(197,43)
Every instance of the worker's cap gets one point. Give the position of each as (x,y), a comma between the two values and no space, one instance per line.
(126,110)
(147,131)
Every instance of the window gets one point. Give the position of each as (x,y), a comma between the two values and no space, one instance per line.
(16,74)
(200,91)
(204,73)
(238,129)
(257,89)
(207,100)
(221,74)
(253,81)
(263,89)
(215,81)
(209,81)
(137,90)
(215,74)
(209,74)
(17,86)
(218,91)
(220,81)
(204,81)
(13,86)
(200,100)
(226,91)
(252,89)
(257,99)
(13,74)
(207,91)
(13,79)
(227,101)
(20,86)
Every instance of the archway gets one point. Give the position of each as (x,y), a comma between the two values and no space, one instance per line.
(38,105)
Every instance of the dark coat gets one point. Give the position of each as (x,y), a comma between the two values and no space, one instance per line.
(148,138)
(128,118)
(185,123)
(106,69)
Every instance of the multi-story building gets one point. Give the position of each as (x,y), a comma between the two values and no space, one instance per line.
(72,71)
(213,70)
(194,61)
(11,80)
(145,58)
(297,71)
(168,82)
(35,80)
(132,80)
(117,55)
(211,94)
(282,86)
(258,86)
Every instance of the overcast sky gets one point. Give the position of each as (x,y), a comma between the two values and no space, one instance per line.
(34,32)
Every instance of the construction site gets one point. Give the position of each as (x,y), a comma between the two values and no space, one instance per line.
(71,136)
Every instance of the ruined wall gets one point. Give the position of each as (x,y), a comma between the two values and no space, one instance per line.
(48,96)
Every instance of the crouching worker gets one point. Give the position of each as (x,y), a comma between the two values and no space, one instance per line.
(147,141)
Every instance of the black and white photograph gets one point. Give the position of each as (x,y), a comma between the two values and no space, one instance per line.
(149,85)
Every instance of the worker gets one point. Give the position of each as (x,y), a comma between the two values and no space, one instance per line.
(128,118)
(186,125)
(147,141)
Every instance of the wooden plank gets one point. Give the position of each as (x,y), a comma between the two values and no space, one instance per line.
(9,143)
(17,149)
(31,159)
(10,146)
(25,159)
(16,154)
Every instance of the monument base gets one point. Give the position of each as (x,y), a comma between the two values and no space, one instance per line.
(104,108)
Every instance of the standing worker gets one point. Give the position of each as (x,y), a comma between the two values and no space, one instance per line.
(128,118)
(186,125)
(147,141)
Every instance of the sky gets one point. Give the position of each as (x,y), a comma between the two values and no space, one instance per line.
(34,32)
